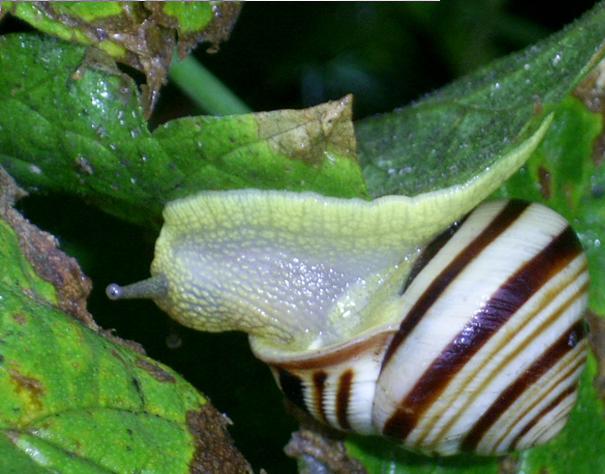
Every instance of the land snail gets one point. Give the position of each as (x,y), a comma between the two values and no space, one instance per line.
(468,339)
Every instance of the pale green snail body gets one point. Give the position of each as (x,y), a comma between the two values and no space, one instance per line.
(374,319)
(418,318)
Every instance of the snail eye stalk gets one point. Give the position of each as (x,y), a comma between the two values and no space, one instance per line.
(153,288)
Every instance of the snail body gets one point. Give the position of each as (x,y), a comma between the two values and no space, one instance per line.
(488,350)
(374,319)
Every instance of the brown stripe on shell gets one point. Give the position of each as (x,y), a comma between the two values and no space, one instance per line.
(564,394)
(545,430)
(557,401)
(343,397)
(499,224)
(431,250)
(319,380)
(551,356)
(565,373)
(494,314)
(505,361)
(336,356)
(293,388)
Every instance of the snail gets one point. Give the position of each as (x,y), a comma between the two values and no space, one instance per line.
(449,327)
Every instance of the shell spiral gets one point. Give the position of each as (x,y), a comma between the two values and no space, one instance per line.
(486,354)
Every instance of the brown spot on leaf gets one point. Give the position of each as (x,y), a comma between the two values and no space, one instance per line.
(591,90)
(538,105)
(214,450)
(545,182)
(307,135)
(118,356)
(29,386)
(155,370)
(20,318)
(598,150)
(597,343)
(132,345)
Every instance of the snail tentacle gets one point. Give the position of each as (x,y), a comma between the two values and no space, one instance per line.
(154,288)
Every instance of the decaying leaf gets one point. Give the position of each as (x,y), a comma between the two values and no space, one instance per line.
(142,35)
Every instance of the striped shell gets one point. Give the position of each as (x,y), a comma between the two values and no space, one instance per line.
(488,350)
(470,341)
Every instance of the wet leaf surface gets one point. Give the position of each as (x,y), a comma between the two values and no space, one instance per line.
(72,400)
(140,34)
(69,124)
(452,135)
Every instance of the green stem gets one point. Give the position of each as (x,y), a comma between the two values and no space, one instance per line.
(205,89)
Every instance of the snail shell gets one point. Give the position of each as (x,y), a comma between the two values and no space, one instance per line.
(472,340)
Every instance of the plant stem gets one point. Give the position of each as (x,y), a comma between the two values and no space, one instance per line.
(204,88)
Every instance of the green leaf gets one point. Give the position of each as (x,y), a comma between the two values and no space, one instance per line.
(72,400)
(72,125)
(453,135)
(140,34)
(564,174)
(190,17)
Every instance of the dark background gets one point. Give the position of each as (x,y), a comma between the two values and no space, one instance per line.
(288,55)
